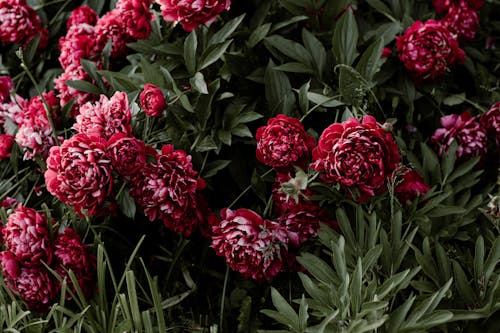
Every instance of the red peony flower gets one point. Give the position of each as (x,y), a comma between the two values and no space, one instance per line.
(82,15)
(192,13)
(19,23)
(301,224)
(111,27)
(6,85)
(283,142)
(79,173)
(34,134)
(71,254)
(152,100)
(128,155)
(491,122)
(33,284)
(251,245)
(428,50)
(167,190)
(136,17)
(442,6)
(106,117)
(26,236)
(6,143)
(471,137)
(409,185)
(79,43)
(357,155)
(462,20)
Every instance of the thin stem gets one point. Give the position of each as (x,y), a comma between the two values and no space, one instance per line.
(317,106)
(221,319)
(248,188)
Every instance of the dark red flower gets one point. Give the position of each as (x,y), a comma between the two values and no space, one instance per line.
(77,44)
(6,85)
(111,27)
(152,100)
(128,155)
(283,142)
(26,236)
(79,173)
(82,15)
(409,185)
(462,20)
(136,17)
(71,254)
(491,122)
(428,50)
(192,13)
(19,23)
(167,190)
(359,156)
(466,130)
(251,245)
(6,143)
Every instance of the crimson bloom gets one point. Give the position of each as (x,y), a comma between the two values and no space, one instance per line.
(82,15)
(192,13)
(167,190)
(410,185)
(491,122)
(26,236)
(19,23)
(466,130)
(152,100)
(6,143)
(79,173)
(127,154)
(357,155)
(283,142)
(428,50)
(251,245)
(462,20)
(6,85)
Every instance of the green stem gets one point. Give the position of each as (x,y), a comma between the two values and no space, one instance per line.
(221,319)
(317,106)
(247,189)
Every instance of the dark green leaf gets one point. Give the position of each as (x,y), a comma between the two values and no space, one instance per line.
(126,203)
(83,86)
(198,83)
(190,46)
(345,39)
(223,33)
(213,53)
(258,35)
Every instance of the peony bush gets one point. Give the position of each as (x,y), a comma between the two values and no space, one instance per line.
(250,166)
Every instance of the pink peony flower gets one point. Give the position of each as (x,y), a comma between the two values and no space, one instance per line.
(283,142)
(79,173)
(192,13)
(106,117)
(152,100)
(71,254)
(34,134)
(6,85)
(67,93)
(136,17)
(428,50)
(82,15)
(79,43)
(19,23)
(26,236)
(443,6)
(251,245)
(127,154)
(6,143)
(470,136)
(462,21)
(111,27)
(357,155)
(409,185)
(167,190)
(491,122)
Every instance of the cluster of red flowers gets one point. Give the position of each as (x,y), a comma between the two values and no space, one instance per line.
(471,134)
(30,249)
(87,36)
(19,23)
(428,50)
(192,13)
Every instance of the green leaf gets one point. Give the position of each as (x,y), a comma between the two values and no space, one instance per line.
(316,50)
(380,7)
(285,309)
(303,315)
(345,39)
(303,100)
(206,144)
(91,69)
(126,203)
(242,131)
(355,288)
(371,60)
(227,30)
(351,85)
(279,93)
(291,49)
(479,259)
(83,86)
(212,168)
(294,67)
(213,53)
(454,99)
(288,22)
(325,101)
(492,260)
(398,316)
(198,83)
(258,35)
(318,268)
(190,46)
